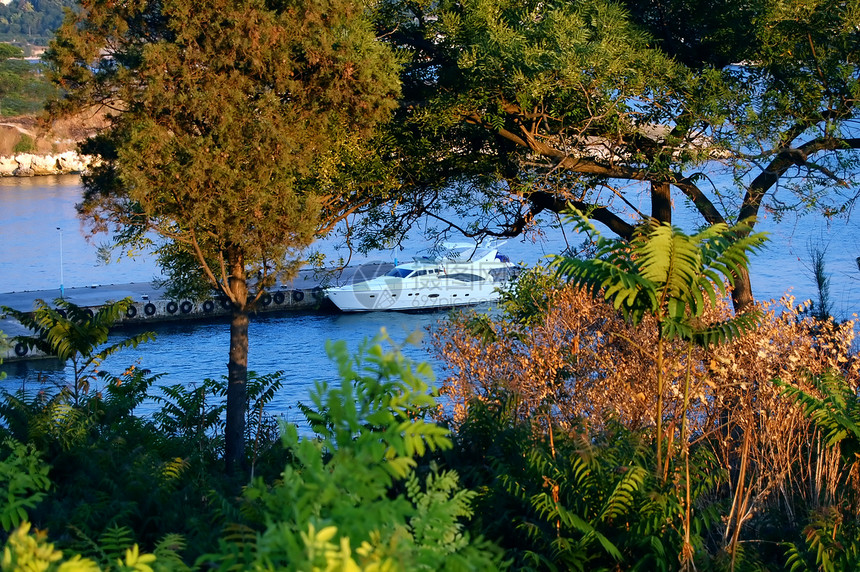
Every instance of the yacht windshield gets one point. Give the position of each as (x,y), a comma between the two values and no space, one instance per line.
(465,277)
(399,273)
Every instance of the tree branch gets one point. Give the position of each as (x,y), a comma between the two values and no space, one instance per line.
(785,159)
(703,203)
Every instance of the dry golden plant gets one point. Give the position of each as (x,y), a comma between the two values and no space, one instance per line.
(581,364)
(766,433)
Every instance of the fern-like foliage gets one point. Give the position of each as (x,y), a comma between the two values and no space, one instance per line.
(834,408)
(716,333)
(114,550)
(191,411)
(124,393)
(667,274)
(831,539)
(584,503)
(671,276)
(262,431)
(114,542)
(440,504)
(171,473)
(74,333)
(382,399)
(831,543)
(348,498)
(18,410)
(578,498)
(262,389)
(168,552)
(24,478)
(109,547)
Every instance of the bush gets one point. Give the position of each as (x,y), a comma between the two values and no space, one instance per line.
(25,144)
(352,499)
(567,362)
(565,500)
(24,477)
(133,493)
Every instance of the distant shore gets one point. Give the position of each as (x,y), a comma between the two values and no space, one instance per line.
(31,146)
(32,165)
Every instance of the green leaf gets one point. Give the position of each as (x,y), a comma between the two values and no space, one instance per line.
(665,273)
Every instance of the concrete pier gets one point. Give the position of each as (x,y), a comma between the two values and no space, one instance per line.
(150,306)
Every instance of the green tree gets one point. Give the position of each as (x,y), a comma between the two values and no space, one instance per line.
(23,88)
(228,119)
(517,108)
(11,79)
(673,278)
(32,22)
(9,51)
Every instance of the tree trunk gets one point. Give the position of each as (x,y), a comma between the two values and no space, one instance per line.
(237,376)
(661,202)
(742,297)
(237,370)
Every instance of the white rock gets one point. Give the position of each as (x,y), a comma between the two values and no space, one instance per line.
(8,166)
(25,161)
(71,162)
(28,165)
(44,165)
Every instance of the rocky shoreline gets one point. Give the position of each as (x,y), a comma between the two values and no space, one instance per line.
(30,165)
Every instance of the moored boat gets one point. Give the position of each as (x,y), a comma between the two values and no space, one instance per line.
(465,275)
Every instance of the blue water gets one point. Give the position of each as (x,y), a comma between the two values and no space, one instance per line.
(32,209)
(292,343)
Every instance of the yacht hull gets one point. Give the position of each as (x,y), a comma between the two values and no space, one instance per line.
(365,297)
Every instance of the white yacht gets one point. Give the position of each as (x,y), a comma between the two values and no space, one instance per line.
(465,275)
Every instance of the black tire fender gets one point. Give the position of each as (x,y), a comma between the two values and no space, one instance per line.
(186,307)
(149,309)
(130,312)
(278,298)
(208,306)
(172,307)
(298,295)
(21,349)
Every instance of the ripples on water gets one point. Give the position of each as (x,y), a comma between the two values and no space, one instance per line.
(31,209)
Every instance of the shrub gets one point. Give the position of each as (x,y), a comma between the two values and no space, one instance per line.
(24,477)
(352,499)
(132,493)
(25,144)
(568,361)
(566,500)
